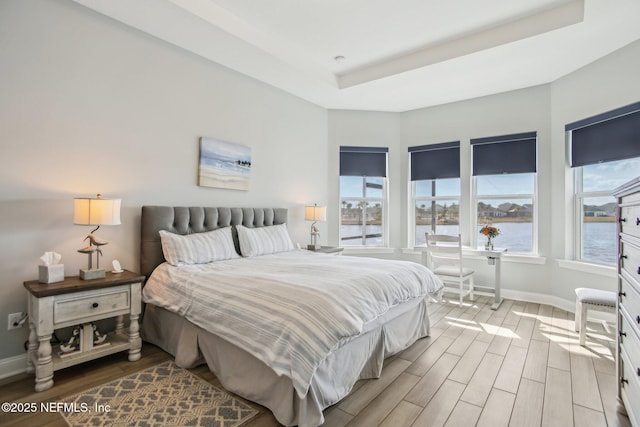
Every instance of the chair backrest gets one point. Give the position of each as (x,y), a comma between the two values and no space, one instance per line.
(444,249)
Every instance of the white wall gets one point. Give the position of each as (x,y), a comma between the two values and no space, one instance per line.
(88,105)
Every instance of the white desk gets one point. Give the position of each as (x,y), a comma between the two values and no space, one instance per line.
(493,258)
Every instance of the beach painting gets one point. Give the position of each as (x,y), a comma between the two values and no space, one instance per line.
(224,164)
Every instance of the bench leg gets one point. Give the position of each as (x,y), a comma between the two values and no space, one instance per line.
(576,324)
(583,323)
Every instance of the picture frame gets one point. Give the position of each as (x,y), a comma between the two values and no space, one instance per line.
(224,164)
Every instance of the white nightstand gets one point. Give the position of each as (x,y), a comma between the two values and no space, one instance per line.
(76,302)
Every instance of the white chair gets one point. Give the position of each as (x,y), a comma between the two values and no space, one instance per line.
(591,299)
(445,260)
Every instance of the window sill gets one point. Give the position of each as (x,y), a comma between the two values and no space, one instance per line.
(586,267)
(475,254)
(363,250)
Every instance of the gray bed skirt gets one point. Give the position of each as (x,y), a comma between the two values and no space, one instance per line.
(243,374)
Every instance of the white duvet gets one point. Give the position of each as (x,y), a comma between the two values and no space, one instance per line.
(291,309)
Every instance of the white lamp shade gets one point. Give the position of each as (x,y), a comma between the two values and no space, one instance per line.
(96,211)
(315,213)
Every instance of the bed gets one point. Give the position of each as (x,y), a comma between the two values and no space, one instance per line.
(289,329)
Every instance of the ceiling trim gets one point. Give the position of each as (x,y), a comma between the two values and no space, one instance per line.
(532,25)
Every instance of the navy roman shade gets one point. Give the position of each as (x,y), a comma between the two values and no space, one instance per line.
(505,154)
(614,135)
(435,161)
(363,161)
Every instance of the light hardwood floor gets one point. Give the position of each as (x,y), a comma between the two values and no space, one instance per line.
(520,365)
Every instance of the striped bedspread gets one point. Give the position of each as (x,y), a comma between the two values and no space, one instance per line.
(291,309)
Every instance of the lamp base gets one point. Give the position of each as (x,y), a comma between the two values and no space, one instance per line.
(90,274)
(313,247)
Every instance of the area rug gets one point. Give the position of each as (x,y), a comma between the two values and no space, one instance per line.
(163,395)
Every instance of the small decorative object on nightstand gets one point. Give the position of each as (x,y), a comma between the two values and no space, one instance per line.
(315,213)
(51,271)
(78,303)
(97,211)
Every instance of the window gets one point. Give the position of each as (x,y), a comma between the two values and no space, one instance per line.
(363,196)
(435,190)
(504,189)
(595,208)
(605,153)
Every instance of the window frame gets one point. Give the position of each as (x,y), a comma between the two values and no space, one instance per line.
(621,128)
(433,162)
(578,212)
(414,201)
(475,198)
(579,195)
(385,215)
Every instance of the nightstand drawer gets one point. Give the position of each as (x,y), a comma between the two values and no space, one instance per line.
(80,307)
(630,220)
(630,386)
(630,298)
(629,339)
(630,259)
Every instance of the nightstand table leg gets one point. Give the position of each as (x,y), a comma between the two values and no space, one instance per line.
(119,324)
(134,338)
(32,348)
(44,364)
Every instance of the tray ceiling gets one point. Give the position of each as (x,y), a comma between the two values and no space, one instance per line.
(396,55)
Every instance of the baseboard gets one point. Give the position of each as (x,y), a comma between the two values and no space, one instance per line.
(540,299)
(13,366)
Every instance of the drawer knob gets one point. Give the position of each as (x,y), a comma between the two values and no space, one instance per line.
(638,372)
(622,220)
(638,319)
(638,221)
(623,334)
(622,294)
(623,256)
(94,305)
(624,381)
(638,269)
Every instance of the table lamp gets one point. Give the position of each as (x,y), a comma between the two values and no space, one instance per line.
(315,213)
(95,211)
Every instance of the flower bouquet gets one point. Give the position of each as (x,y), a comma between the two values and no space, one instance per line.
(490,232)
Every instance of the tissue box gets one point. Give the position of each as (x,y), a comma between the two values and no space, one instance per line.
(51,273)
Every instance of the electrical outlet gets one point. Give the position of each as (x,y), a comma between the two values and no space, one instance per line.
(13,320)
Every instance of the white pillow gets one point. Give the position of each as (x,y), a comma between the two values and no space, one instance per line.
(264,240)
(198,248)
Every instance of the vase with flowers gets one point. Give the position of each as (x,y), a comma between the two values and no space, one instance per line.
(490,232)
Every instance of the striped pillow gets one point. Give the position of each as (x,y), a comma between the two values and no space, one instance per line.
(198,248)
(264,240)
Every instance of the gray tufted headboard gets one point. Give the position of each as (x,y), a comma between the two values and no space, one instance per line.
(187,220)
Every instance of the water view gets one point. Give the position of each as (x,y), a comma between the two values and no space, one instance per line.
(599,238)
